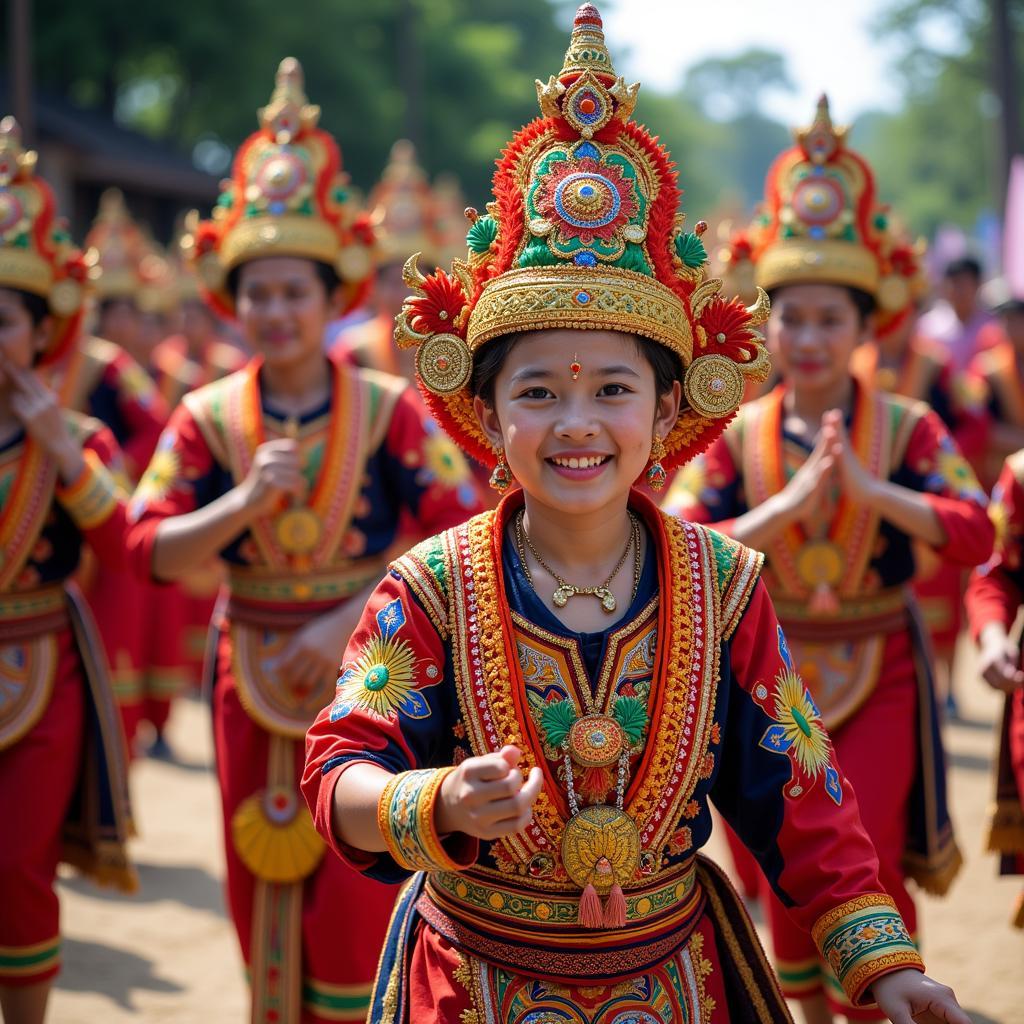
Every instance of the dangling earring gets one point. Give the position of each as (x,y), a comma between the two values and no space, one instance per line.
(656,475)
(501,478)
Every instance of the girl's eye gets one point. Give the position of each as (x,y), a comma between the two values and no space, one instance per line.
(611,390)
(536,394)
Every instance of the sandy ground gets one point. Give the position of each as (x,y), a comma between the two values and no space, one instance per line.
(169,953)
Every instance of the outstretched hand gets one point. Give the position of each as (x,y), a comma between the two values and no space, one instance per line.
(909,997)
(487,797)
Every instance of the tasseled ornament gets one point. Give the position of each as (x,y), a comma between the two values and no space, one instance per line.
(615,908)
(591,915)
(596,782)
(823,601)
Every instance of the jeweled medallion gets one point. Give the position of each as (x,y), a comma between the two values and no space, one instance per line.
(601,847)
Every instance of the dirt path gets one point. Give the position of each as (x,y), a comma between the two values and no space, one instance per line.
(169,954)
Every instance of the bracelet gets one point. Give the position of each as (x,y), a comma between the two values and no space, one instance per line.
(405,817)
(92,498)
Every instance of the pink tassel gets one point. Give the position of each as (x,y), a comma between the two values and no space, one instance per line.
(823,601)
(615,908)
(590,909)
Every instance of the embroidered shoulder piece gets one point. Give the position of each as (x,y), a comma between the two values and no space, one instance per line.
(207,406)
(424,569)
(904,415)
(82,427)
(382,391)
(737,569)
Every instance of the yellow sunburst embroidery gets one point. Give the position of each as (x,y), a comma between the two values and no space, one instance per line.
(1000,517)
(383,678)
(956,472)
(443,460)
(801,724)
(163,470)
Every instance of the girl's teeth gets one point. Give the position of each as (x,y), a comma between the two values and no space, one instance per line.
(576,463)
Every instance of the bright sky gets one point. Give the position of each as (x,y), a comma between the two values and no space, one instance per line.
(827,43)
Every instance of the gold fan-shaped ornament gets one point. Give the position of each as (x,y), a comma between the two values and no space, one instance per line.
(275,837)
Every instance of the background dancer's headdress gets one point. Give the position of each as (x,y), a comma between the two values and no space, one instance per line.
(820,222)
(287,196)
(402,209)
(36,251)
(585,232)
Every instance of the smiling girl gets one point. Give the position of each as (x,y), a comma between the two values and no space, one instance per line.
(538,705)
(297,471)
(835,482)
(63,791)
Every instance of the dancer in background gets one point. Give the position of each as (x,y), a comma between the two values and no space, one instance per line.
(835,483)
(897,358)
(538,705)
(296,471)
(994,598)
(63,789)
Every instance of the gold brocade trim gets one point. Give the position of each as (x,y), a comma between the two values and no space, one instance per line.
(28,670)
(740,589)
(804,260)
(582,298)
(463,895)
(258,583)
(279,235)
(683,693)
(24,512)
(30,604)
(92,499)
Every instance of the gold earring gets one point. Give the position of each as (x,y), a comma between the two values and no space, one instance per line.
(656,475)
(501,477)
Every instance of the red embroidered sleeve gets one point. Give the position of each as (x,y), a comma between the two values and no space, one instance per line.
(95,502)
(952,490)
(801,818)
(996,590)
(142,407)
(168,487)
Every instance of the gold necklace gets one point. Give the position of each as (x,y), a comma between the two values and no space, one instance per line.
(565,590)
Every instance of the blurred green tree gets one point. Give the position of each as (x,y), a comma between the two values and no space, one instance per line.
(938,157)
(452,73)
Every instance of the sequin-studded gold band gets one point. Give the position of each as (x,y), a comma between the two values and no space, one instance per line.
(581,298)
(807,261)
(25,270)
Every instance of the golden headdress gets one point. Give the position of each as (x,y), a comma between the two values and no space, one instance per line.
(36,251)
(820,220)
(403,211)
(287,196)
(584,232)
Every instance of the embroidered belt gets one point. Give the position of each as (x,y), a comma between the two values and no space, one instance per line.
(857,619)
(528,931)
(265,597)
(33,613)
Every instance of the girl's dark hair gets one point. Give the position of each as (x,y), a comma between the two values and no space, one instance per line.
(487,364)
(35,305)
(327,274)
(865,303)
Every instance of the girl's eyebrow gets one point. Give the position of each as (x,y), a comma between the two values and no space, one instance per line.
(539,373)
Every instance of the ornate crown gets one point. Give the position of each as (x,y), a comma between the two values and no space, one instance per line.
(402,209)
(584,231)
(127,263)
(36,251)
(287,196)
(820,221)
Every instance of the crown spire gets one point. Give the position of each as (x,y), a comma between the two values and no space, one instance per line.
(289,110)
(587,49)
(822,139)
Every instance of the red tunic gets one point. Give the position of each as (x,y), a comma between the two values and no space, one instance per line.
(56,713)
(995,594)
(141,624)
(839,589)
(370,458)
(925,373)
(494,930)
